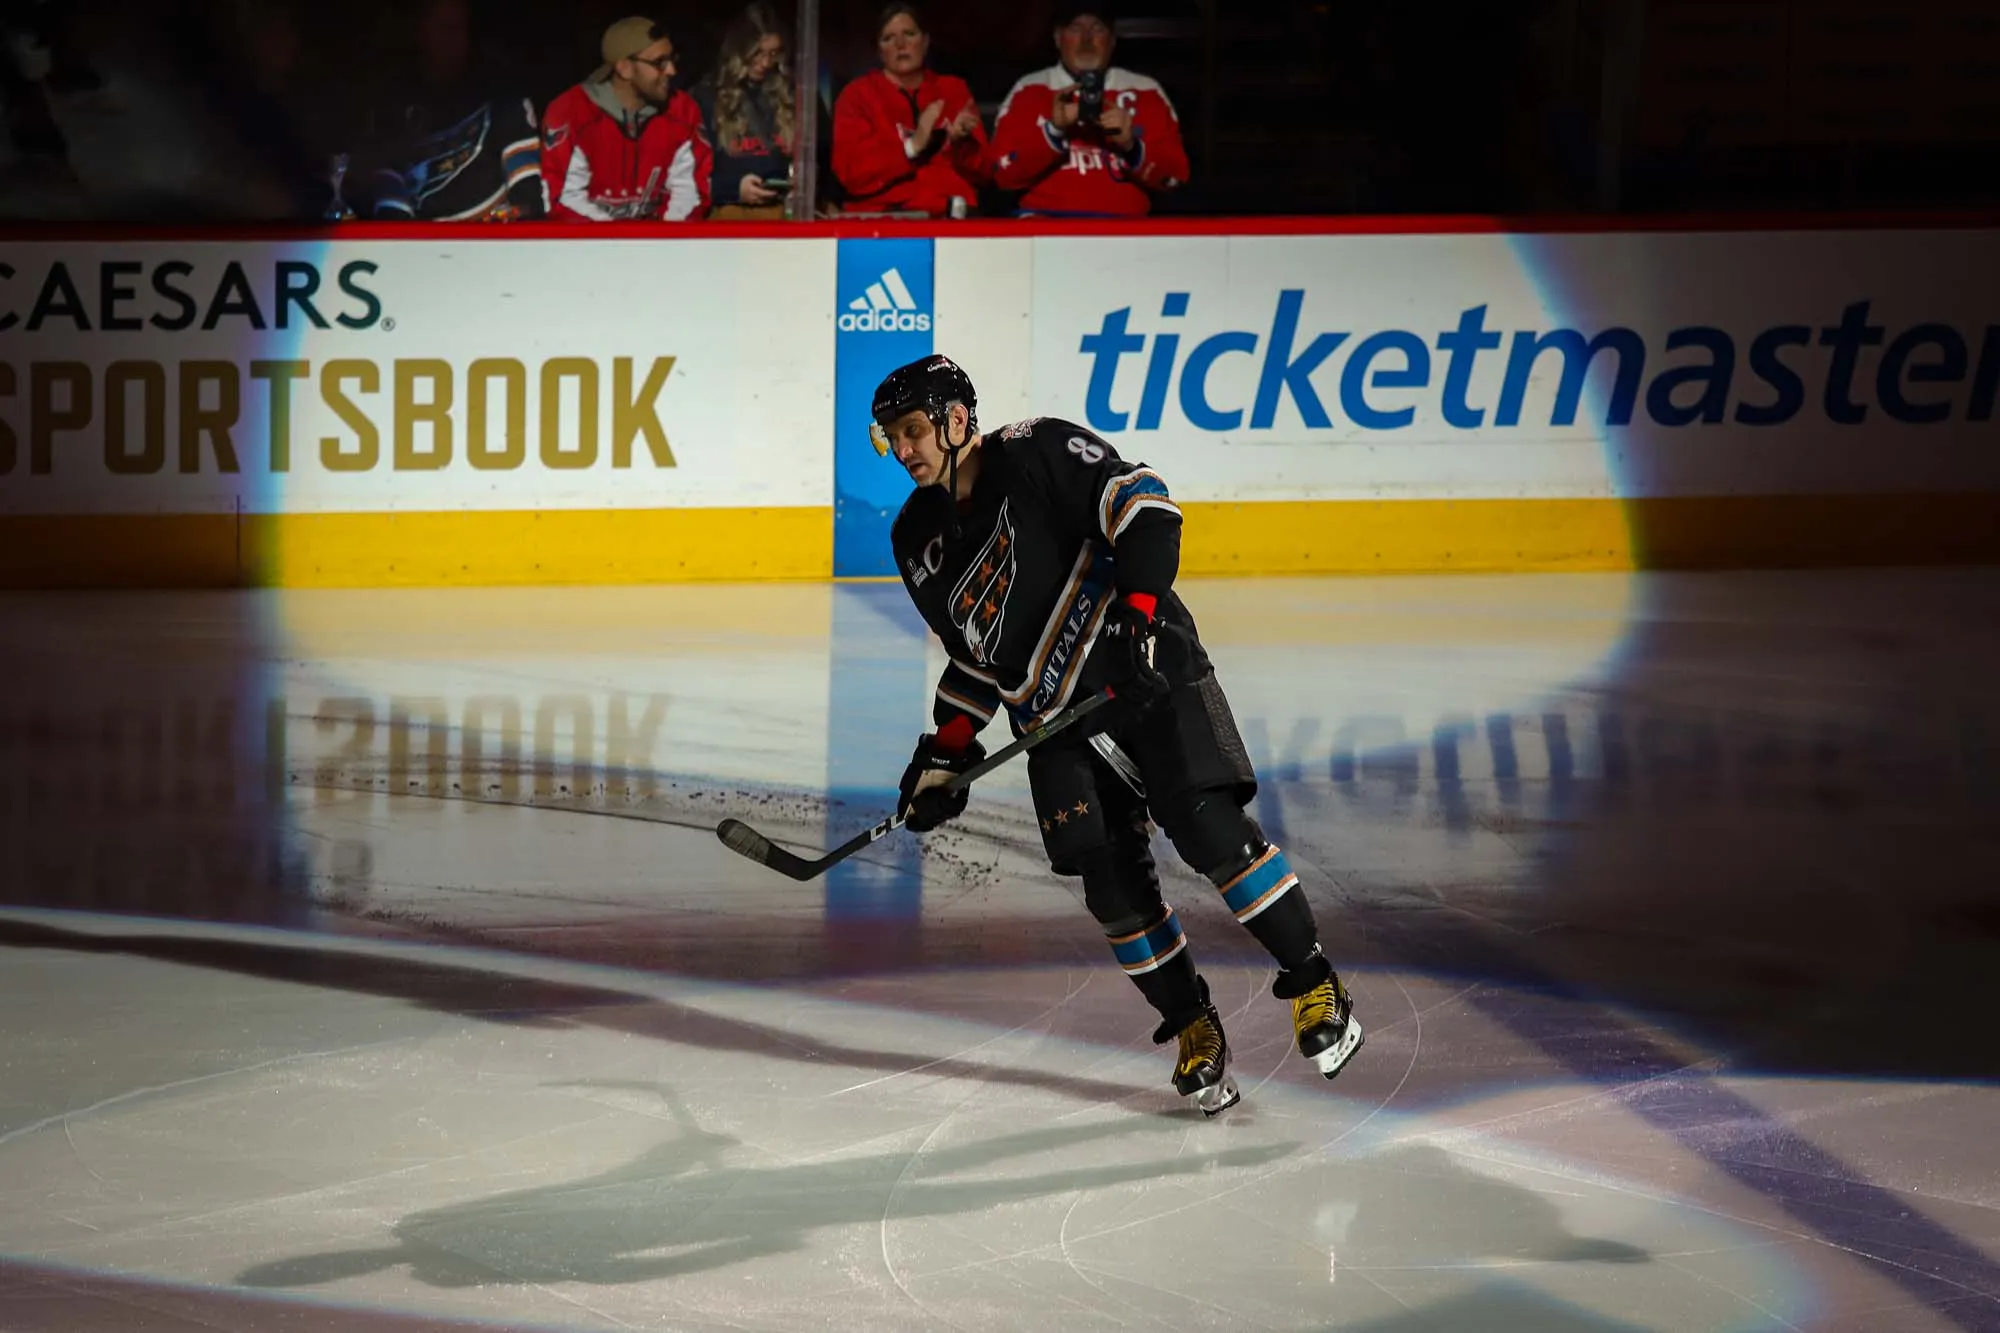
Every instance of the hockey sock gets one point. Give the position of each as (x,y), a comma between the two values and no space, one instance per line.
(1266,898)
(1157,959)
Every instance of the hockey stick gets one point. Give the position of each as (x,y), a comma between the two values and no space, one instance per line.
(739,837)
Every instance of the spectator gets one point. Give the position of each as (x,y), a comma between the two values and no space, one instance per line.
(747,108)
(904,137)
(453,149)
(1083,138)
(41,32)
(625,143)
(250,66)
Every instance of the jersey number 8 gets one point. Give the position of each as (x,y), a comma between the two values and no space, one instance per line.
(1088,450)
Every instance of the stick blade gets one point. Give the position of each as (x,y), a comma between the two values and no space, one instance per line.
(740,838)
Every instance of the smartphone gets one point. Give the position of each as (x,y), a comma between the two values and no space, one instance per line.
(782,185)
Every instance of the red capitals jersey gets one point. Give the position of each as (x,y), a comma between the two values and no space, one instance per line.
(873,120)
(1082,172)
(602,164)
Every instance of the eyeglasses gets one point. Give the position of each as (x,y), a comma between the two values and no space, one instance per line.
(660,63)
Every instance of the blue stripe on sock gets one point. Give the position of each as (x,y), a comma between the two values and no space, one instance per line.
(1243,895)
(1155,945)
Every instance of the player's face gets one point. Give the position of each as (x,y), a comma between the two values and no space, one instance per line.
(915,443)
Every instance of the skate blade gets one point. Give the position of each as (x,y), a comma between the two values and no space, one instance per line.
(1216,1097)
(1330,1060)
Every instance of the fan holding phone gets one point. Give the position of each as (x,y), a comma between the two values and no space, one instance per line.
(747,104)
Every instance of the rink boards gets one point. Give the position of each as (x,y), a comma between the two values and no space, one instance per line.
(564,405)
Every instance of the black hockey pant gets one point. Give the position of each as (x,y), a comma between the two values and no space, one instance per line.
(1197,780)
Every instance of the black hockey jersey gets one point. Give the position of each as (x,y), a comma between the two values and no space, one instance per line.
(1057,526)
(482,166)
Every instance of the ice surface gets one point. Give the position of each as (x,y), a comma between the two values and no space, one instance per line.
(370,962)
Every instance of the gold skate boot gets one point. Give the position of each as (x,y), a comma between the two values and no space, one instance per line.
(1324,1025)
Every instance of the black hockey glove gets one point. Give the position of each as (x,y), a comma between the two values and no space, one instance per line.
(922,798)
(1122,661)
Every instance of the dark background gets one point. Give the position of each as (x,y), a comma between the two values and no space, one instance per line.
(226,109)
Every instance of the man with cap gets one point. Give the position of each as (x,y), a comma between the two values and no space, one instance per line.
(625,143)
(1083,138)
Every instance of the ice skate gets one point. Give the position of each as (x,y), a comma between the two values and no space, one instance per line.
(1323,1022)
(1200,1070)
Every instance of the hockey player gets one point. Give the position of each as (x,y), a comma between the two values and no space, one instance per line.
(1046,564)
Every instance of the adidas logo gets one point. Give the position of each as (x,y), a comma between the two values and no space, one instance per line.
(886,307)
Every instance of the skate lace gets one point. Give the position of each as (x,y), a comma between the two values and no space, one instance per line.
(1200,1043)
(1319,1005)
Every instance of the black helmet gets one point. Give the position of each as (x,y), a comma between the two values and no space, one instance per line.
(930,385)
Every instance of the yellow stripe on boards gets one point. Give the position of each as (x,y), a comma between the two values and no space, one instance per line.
(119,551)
(468,548)
(459,548)
(1806,531)
(1402,536)
(1525,536)
(552,546)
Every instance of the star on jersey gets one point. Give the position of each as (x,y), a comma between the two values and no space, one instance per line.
(1063,814)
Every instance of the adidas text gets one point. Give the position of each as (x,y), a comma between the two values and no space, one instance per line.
(885,321)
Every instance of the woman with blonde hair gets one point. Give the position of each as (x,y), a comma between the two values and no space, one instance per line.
(747,104)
